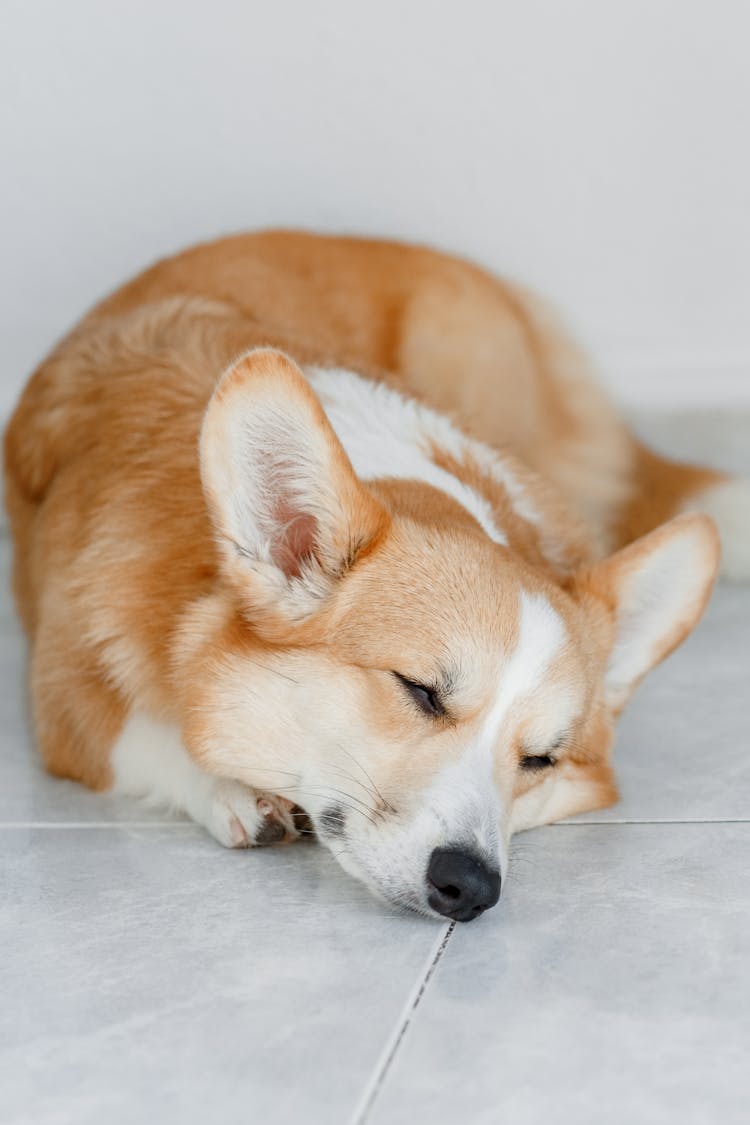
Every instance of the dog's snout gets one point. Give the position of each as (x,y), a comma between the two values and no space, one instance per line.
(460,885)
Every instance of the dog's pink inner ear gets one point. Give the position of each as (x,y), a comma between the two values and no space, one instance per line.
(294,541)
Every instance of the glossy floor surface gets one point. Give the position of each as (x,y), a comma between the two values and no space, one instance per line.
(147,975)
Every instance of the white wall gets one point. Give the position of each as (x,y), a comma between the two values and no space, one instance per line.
(598,150)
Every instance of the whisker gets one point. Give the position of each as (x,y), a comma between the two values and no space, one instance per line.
(275,769)
(365,809)
(366,812)
(269,668)
(351,796)
(338,771)
(359,765)
(344,793)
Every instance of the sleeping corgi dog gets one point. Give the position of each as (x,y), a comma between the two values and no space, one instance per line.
(342,526)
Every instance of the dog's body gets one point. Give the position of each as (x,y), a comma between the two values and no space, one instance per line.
(406,624)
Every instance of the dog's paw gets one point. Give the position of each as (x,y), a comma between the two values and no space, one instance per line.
(241,817)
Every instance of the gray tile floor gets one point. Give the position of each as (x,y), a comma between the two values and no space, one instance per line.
(146,975)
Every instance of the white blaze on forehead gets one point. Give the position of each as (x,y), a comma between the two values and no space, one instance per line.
(541,636)
(462,807)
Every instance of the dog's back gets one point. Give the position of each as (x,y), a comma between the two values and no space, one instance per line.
(490,354)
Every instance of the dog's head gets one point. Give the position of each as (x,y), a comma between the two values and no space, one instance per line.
(373,655)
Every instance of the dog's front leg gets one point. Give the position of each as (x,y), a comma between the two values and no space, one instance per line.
(150,761)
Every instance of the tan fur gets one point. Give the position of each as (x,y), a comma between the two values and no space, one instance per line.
(125,579)
(490,354)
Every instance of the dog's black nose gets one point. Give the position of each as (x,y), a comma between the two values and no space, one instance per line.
(459,884)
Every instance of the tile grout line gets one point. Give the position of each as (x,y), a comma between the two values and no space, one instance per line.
(53,825)
(620,822)
(78,824)
(380,1073)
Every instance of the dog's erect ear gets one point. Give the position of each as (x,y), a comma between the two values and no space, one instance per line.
(655,590)
(290,513)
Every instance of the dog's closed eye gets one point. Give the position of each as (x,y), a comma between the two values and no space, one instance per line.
(426,698)
(535,762)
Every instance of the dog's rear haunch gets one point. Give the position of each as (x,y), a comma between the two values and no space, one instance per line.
(344,525)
